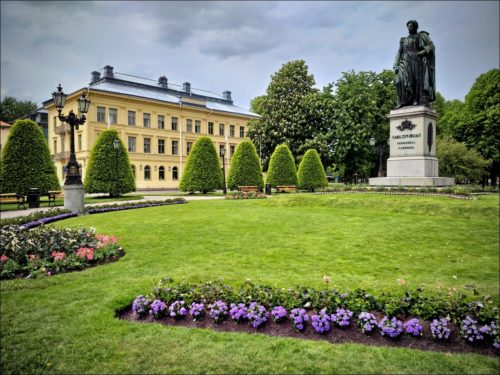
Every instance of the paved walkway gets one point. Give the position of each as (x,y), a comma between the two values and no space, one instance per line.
(17,213)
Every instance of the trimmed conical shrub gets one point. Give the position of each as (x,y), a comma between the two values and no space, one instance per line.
(282,169)
(311,173)
(26,161)
(203,171)
(102,173)
(245,167)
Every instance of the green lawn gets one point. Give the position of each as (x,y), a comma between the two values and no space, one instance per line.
(66,324)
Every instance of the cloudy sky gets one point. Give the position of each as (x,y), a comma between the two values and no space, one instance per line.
(235,45)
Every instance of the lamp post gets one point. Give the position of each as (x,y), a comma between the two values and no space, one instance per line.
(116,145)
(223,152)
(73,186)
(380,150)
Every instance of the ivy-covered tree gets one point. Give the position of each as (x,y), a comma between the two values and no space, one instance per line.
(245,167)
(12,109)
(283,116)
(456,160)
(102,174)
(26,160)
(311,174)
(282,169)
(479,127)
(203,171)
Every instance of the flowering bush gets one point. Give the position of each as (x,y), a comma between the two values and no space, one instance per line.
(299,317)
(321,322)
(218,311)
(177,310)
(413,327)
(391,328)
(197,311)
(58,255)
(342,317)
(440,330)
(257,314)
(158,308)
(367,322)
(492,332)
(279,314)
(85,253)
(140,306)
(238,312)
(469,330)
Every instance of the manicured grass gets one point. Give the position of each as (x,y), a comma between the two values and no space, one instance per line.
(66,324)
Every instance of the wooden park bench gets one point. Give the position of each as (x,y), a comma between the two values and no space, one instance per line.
(286,188)
(53,194)
(247,189)
(13,198)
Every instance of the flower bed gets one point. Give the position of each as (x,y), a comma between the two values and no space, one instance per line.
(48,251)
(339,317)
(246,195)
(129,206)
(390,191)
(37,218)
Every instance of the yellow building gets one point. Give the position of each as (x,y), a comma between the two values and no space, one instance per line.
(158,122)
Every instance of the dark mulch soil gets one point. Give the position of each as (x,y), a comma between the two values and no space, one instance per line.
(350,334)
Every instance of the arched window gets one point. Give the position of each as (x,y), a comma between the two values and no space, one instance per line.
(175,173)
(147,172)
(133,170)
(161,173)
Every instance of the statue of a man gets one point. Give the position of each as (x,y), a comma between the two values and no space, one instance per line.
(414,66)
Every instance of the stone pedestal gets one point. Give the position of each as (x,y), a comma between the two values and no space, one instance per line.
(412,160)
(73,198)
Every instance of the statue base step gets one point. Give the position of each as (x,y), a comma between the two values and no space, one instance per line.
(412,181)
(73,198)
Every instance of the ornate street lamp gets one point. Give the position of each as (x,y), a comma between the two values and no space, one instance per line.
(116,145)
(223,152)
(73,175)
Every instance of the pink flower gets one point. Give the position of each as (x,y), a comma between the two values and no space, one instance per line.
(58,255)
(3,258)
(105,240)
(85,252)
(32,257)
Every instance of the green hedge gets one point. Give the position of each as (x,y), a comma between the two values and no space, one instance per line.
(282,169)
(245,167)
(26,161)
(203,171)
(311,173)
(102,173)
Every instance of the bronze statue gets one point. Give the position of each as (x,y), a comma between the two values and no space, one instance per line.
(414,66)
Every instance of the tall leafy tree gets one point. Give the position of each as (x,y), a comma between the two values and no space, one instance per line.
(26,160)
(245,167)
(311,174)
(283,116)
(203,171)
(282,170)
(12,109)
(479,127)
(102,174)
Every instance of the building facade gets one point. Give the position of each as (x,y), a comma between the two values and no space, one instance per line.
(157,122)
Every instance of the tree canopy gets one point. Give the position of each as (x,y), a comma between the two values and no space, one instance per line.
(311,174)
(12,109)
(102,172)
(245,167)
(26,161)
(282,170)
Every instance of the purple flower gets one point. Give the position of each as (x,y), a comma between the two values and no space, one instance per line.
(218,311)
(157,308)
(321,322)
(367,322)
(257,314)
(279,314)
(391,328)
(177,310)
(238,312)
(342,317)
(469,330)
(197,311)
(140,306)
(413,327)
(440,330)
(299,317)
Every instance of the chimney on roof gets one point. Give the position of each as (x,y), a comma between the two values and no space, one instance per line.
(227,95)
(186,86)
(163,81)
(96,76)
(108,71)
